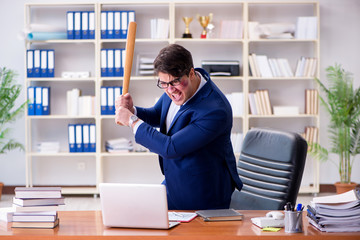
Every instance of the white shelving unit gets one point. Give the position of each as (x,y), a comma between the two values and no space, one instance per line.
(84,55)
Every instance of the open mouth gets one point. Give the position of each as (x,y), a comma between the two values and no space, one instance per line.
(176,96)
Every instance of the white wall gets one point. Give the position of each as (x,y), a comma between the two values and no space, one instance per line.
(340,38)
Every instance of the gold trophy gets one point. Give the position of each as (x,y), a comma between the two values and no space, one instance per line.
(204,21)
(187,21)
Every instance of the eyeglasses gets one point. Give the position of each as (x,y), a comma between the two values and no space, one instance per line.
(164,85)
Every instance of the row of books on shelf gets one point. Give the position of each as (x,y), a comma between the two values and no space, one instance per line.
(311,101)
(40,63)
(112,62)
(78,105)
(159,28)
(34,207)
(114,24)
(336,213)
(38,100)
(311,134)
(80,24)
(306,67)
(259,102)
(82,137)
(107,99)
(262,66)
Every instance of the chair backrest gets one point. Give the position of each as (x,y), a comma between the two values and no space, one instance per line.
(271,166)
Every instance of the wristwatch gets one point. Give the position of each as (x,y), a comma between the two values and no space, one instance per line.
(132,119)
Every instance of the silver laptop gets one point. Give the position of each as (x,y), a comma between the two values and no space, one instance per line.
(134,206)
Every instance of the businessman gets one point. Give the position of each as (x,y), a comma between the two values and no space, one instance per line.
(193,144)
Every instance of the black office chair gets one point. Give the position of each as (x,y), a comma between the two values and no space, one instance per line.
(271,166)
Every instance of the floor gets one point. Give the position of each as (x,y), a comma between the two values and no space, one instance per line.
(93,203)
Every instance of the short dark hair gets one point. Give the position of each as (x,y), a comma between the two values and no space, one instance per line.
(174,60)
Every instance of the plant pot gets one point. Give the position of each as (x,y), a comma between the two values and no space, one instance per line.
(1,188)
(344,187)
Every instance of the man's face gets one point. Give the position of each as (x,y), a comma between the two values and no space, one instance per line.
(180,93)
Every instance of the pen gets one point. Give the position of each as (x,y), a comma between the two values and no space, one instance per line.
(288,206)
(311,210)
(299,206)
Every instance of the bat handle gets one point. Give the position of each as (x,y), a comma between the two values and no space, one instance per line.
(129,55)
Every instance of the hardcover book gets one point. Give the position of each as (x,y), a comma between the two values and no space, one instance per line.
(220,215)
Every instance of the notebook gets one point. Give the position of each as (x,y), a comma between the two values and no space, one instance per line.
(134,206)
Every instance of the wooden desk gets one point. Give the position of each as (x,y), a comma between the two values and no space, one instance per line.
(88,225)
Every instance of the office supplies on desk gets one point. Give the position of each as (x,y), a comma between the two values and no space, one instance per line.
(135,206)
(181,216)
(272,219)
(293,221)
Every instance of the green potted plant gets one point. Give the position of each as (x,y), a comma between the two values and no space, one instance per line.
(9,92)
(342,102)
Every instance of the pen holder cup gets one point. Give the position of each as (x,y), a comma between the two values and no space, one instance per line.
(293,222)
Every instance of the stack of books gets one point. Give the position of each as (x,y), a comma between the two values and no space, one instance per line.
(336,213)
(146,65)
(36,207)
(119,145)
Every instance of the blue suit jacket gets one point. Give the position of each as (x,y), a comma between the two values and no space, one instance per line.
(196,154)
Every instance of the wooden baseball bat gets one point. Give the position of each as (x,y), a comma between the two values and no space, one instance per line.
(129,55)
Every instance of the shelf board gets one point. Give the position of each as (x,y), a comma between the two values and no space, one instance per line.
(284,116)
(152,78)
(282,40)
(63,154)
(133,78)
(129,154)
(67,41)
(140,40)
(224,78)
(59,79)
(281,78)
(216,40)
(59,117)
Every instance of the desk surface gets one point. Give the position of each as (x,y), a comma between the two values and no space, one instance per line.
(88,225)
